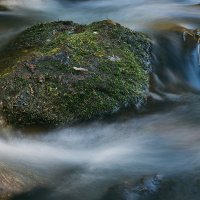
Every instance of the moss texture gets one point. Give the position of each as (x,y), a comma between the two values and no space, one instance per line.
(61,73)
(3,8)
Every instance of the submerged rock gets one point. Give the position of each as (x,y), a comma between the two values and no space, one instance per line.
(16,182)
(135,191)
(61,73)
(182,186)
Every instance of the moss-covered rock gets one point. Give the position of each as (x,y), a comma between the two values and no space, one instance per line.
(60,73)
(3,8)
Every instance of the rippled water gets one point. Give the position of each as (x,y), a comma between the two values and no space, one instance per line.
(88,161)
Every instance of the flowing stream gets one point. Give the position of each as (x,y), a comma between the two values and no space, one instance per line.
(152,156)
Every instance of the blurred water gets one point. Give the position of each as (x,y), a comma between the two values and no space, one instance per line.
(135,14)
(84,162)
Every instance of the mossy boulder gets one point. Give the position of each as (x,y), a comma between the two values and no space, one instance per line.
(61,73)
(3,8)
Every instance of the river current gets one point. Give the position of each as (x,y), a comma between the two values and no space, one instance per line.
(152,156)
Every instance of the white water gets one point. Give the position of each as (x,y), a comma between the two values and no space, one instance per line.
(134,14)
(100,154)
(30,4)
(141,143)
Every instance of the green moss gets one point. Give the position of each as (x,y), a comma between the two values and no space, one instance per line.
(3,8)
(60,73)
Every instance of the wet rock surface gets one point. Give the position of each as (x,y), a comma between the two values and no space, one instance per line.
(157,188)
(15,182)
(143,189)
(61,73)
(177,58)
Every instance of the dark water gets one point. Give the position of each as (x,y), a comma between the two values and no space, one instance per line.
(154,156)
